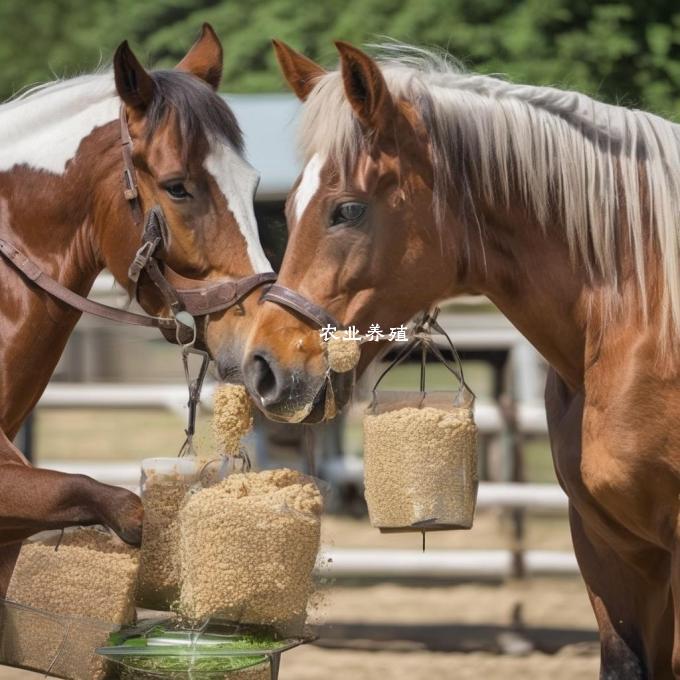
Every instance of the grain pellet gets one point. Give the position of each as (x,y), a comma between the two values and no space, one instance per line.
(420,466)
(88,583)
(343,355)
(233,417)
(248,549)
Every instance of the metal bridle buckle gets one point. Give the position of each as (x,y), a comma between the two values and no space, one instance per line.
(142,257)
(186,320)
(195,386)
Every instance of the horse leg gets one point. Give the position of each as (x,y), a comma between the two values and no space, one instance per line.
(33,500)
(632,605)
(675,587)
(630,597)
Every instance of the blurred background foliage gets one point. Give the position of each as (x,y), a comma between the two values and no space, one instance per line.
(625,51)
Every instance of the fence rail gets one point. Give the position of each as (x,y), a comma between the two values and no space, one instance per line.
(531,416)
(355,563)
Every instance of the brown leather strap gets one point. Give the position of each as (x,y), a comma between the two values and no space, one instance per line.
(130,186)
(169,294)
(200,299)
(285,297)
(34,273)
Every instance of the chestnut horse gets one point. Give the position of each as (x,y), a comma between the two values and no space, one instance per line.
(64,204)
(423,182)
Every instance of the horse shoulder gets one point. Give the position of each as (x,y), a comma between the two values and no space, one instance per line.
(630,444)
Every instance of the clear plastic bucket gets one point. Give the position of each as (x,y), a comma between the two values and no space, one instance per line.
(249,546)
(420,448)
(420,461)
(164,484)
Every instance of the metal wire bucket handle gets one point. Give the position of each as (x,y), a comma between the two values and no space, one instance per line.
(422,337)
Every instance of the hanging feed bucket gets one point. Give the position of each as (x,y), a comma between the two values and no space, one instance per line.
(420,448)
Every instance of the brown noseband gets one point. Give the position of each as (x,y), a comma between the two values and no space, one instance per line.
(178,292)
(292,301)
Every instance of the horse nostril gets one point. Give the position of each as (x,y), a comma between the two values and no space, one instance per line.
(264,380)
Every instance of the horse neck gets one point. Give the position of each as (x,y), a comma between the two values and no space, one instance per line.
(527,273)
(57,220)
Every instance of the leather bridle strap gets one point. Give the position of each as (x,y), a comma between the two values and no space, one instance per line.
(199,299)
(34,273)
(130,186)
(285,297)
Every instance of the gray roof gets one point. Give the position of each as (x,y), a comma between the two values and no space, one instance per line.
(269,125)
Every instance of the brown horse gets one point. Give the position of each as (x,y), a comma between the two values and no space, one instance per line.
(65,205)
(423,182)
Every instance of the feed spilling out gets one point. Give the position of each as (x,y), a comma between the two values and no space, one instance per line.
(248,549)
(420,468)
(233,417)
(71,598)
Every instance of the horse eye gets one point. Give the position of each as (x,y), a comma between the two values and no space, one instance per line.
(348,212)
(178,191)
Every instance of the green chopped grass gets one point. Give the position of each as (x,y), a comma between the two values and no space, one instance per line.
(215,664)
(169,658)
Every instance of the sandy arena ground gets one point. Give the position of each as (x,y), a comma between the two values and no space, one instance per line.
(312,663)
(540,602)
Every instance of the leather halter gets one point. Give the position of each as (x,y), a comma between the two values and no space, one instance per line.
(179,293)
(292,301)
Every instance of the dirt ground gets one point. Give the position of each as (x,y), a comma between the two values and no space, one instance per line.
(312,663)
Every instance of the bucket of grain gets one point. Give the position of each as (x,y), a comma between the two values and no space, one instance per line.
(248,547)
(165,483)
(420,447)
(65,596)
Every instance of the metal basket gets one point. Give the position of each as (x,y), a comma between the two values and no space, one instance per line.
(59,646)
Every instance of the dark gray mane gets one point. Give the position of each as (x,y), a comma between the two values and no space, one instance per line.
(198,107)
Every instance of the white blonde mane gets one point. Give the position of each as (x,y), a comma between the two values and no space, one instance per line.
(609,175)
(43,126)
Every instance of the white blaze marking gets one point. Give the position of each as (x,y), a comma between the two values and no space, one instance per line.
(44,130)
(238,180)
(309,185)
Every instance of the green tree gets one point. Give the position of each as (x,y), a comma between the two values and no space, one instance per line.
(625,51)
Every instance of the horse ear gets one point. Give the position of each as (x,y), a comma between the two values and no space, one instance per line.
(365,86)
(300,72)
(134,85)
(204,59)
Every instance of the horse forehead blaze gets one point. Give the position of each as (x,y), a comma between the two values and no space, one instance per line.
(309,185)
(237,180)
